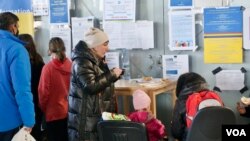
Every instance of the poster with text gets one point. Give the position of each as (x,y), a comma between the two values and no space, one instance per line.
(40,7)
(174,66)
(79,26)
(223,35)
(59,12)
(23,9)
(180,4)
(246,28)
(112,59)
(130,35)
(181,30)
(119,10)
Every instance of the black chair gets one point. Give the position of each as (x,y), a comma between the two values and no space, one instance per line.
(114,130)
(207,124)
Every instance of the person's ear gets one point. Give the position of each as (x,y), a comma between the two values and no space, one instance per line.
(49,52)
(12,28)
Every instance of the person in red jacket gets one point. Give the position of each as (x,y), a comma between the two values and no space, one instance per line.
(53,91)
(141,101)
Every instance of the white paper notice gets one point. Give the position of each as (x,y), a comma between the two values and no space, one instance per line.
(174,66)
(246,29)
(129,35)
(208,3)
(244,3)
(112,59)
(230,80)
(119,10)
(181,30)
(121,34)
(79,27)
(40,7)
(145,34)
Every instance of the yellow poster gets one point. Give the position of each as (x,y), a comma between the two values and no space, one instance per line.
(223,35)
(23,9)
(223,50)
(26,23)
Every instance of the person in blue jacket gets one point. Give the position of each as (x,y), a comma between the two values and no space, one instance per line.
(16,101)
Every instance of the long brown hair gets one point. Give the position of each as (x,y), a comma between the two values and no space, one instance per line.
(35,58)
(56,45)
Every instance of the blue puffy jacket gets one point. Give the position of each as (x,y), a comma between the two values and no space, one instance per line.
(16,101)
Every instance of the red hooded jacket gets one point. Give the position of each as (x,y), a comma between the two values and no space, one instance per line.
(53,89)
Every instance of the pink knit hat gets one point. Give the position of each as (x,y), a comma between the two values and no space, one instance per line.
(140,100)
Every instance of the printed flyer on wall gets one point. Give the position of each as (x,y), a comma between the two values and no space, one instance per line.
(174,66)
(59,12)
(223,35)
(180,4)
(181,30)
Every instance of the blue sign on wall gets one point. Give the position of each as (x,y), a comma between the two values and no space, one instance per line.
(59,13)
(16,6)
(174,3)
(223,20)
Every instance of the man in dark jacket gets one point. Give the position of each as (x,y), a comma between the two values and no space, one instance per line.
(91,86)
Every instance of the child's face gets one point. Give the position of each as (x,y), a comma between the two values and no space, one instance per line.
(145,109)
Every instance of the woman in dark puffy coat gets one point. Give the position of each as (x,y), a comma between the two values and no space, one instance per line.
(187,84)
(91,86)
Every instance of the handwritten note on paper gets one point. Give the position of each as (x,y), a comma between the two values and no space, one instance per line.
(230,80)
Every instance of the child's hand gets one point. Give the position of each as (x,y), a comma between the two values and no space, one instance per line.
(241,109)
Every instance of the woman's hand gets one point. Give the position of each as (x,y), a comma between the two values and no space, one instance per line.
(117,71)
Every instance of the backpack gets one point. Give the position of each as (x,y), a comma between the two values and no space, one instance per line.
(199,100)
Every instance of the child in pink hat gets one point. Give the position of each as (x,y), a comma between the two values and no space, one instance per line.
(142,114)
